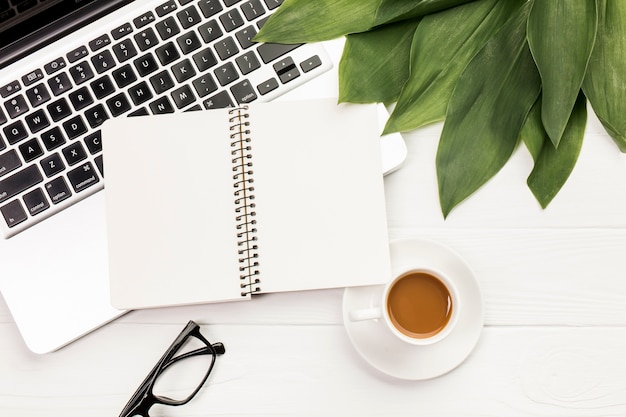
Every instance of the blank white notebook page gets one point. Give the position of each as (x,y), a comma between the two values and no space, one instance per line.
(314,199)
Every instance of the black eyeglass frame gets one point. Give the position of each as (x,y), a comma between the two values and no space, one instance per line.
(144,398)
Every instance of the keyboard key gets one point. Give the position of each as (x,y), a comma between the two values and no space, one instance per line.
(124,50)
(54,66)
(3,118)
(99,164)
(161,106)
(183,96)
(252,9)
(15,132)
(124,76)
(226,74)
(205,59)
(286,70)
(96,115)
(52,165)
(231,2)
(165,8)
(13,213)
(143,20)
(103,61)
(81,72)
(10,88)
(81,98)
(226,48)
(94,142)
(162,82)
(118,104)
(231,20)
(271,51)
(32,77)
(121,31)
(210,7)
(188,17)
(167,53)
(188,42)
(74,153)
(272,4)
(167,28)
(267,86)
(244,37)
(243,92)
(59,110)
(139,112)
(74,127)
(53,138)
(204,85)
(37,121)
(140,93)
(58,190)
(31,150)
(146,39)
(219,101)
(36,202)
(100,42)
(210,31)
(102,87)
(38,95)
(311,63)
(59,84)
(183,70)
(146,65)
(77,54)
(16,106)
(9,161)
(247,62)
(19,181)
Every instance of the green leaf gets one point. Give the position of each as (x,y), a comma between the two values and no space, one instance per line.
(561,34)
(394,10)
(375,64)
(553,166)
(605,81)
(486,113)
(533,134)
(443,45)
(300,21)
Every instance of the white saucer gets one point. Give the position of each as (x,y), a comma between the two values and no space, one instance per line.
(381,349)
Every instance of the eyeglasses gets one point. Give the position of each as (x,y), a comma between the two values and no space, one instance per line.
(181,382)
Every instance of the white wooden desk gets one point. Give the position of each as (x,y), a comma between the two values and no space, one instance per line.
(554,342)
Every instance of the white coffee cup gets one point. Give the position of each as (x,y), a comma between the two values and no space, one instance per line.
(420,306)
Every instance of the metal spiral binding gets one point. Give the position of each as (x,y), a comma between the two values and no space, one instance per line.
(244,200)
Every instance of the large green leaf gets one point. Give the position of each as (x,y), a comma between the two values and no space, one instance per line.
(561,34)
(394,10)
(553,166)
(375,64)
(299,21)
(443,45)
(605,81)
(486,113)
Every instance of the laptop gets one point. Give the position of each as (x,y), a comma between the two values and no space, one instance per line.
(68,65)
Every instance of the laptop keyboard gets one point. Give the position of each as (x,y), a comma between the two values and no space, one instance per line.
(179,55)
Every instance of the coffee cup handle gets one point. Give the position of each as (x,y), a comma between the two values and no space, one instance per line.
(365,314)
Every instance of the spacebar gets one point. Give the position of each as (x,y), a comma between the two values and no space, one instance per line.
(271,51)
(19,182)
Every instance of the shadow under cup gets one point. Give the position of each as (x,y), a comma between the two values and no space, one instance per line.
(420,305)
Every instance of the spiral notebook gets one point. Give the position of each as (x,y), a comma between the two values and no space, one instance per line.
(272,197)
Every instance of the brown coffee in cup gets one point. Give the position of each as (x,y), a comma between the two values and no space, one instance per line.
(419,304)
